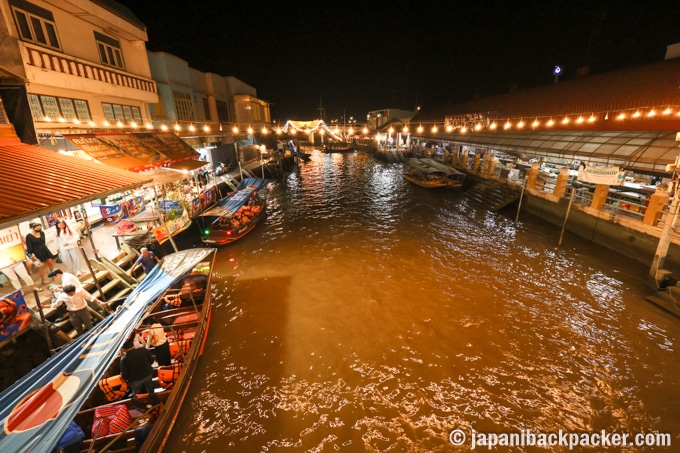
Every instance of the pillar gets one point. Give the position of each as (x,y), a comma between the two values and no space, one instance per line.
(562,182)
(658,202)
(532,176)
(489,165)
(600,196)
(475,164)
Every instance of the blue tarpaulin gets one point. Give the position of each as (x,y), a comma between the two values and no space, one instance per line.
(36,410)
(228,205)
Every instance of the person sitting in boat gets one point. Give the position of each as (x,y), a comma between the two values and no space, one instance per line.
(156,341)
(193,286)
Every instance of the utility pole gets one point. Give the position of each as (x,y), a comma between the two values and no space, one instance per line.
(322,110)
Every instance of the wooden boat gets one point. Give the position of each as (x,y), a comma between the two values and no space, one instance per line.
(338,147)
(69,386)
(236,215)
(431,174)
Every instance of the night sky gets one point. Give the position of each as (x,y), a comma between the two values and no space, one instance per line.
(358,56)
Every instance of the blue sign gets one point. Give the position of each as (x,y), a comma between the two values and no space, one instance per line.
(557,70)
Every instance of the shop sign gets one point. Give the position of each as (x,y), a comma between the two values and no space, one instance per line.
(11,247)
(612,176)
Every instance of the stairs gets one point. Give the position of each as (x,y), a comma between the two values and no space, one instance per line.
(493,195)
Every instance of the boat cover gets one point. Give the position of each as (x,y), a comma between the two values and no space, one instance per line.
(228,205)
(37,409)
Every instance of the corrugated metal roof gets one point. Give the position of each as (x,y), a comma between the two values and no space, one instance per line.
(644,152)
(36,181)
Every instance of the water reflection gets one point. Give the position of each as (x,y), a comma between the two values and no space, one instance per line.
(367,314)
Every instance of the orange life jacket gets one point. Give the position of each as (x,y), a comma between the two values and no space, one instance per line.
(168,375)
(115,388)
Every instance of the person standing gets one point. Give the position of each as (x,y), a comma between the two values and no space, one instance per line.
(76,304)
(147,260)
(137,370)
(68,247)
(16,270)
(36,247)
(158,343)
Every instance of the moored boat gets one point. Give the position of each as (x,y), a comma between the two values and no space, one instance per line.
(236,215)
(429,173)
(77,384)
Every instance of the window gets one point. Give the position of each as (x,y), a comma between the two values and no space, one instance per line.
(222,111)
(123,113)
(54,108)
(184,107)
(109,51)
(206,108)
(35,24)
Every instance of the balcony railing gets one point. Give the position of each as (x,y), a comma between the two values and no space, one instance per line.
(52,61)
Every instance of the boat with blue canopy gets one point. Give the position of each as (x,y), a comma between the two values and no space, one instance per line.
(236,215)
(68,387)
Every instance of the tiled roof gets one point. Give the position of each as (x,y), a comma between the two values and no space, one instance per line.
(654,85)
(36,181)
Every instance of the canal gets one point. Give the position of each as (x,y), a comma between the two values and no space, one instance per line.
(368,314)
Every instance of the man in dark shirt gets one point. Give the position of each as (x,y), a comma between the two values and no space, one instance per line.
(147,260)
(136,368)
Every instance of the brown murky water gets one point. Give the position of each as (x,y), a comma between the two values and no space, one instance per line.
(367,314)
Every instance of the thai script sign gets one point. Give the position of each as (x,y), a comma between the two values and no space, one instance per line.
(11,247)
(612,176)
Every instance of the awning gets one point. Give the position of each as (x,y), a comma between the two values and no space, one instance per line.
(134,151)
(188,164)
(162,175)
(643,152)
(36,181)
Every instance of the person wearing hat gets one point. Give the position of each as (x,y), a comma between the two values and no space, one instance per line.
(66,278)
(147,260)
(36,247)
(76,304)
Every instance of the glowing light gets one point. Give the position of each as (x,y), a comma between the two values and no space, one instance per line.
(235,130)
(61,119)
(90,123)
(463,130)
(478,126)
(365,130)
(279,131)
(636,114)
(192,128)
(177,128)
(651,113)
(264,130)
(133,124)
(520,125)
(420,128)
(565,120)
(206,128)
(293,131)
(535,123)
(449,128)
(621,116)
(550,122)
(76,121)
(493,126)
(350,131)
(164,127)
(434,129)
(579,120)
(47,118)
(391,130)
(405,130)
(106,124)
(592,119)
(667,111)
(250,130)
(507,125)
(119,123)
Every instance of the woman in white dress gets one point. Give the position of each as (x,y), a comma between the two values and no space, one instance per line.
(68,247)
